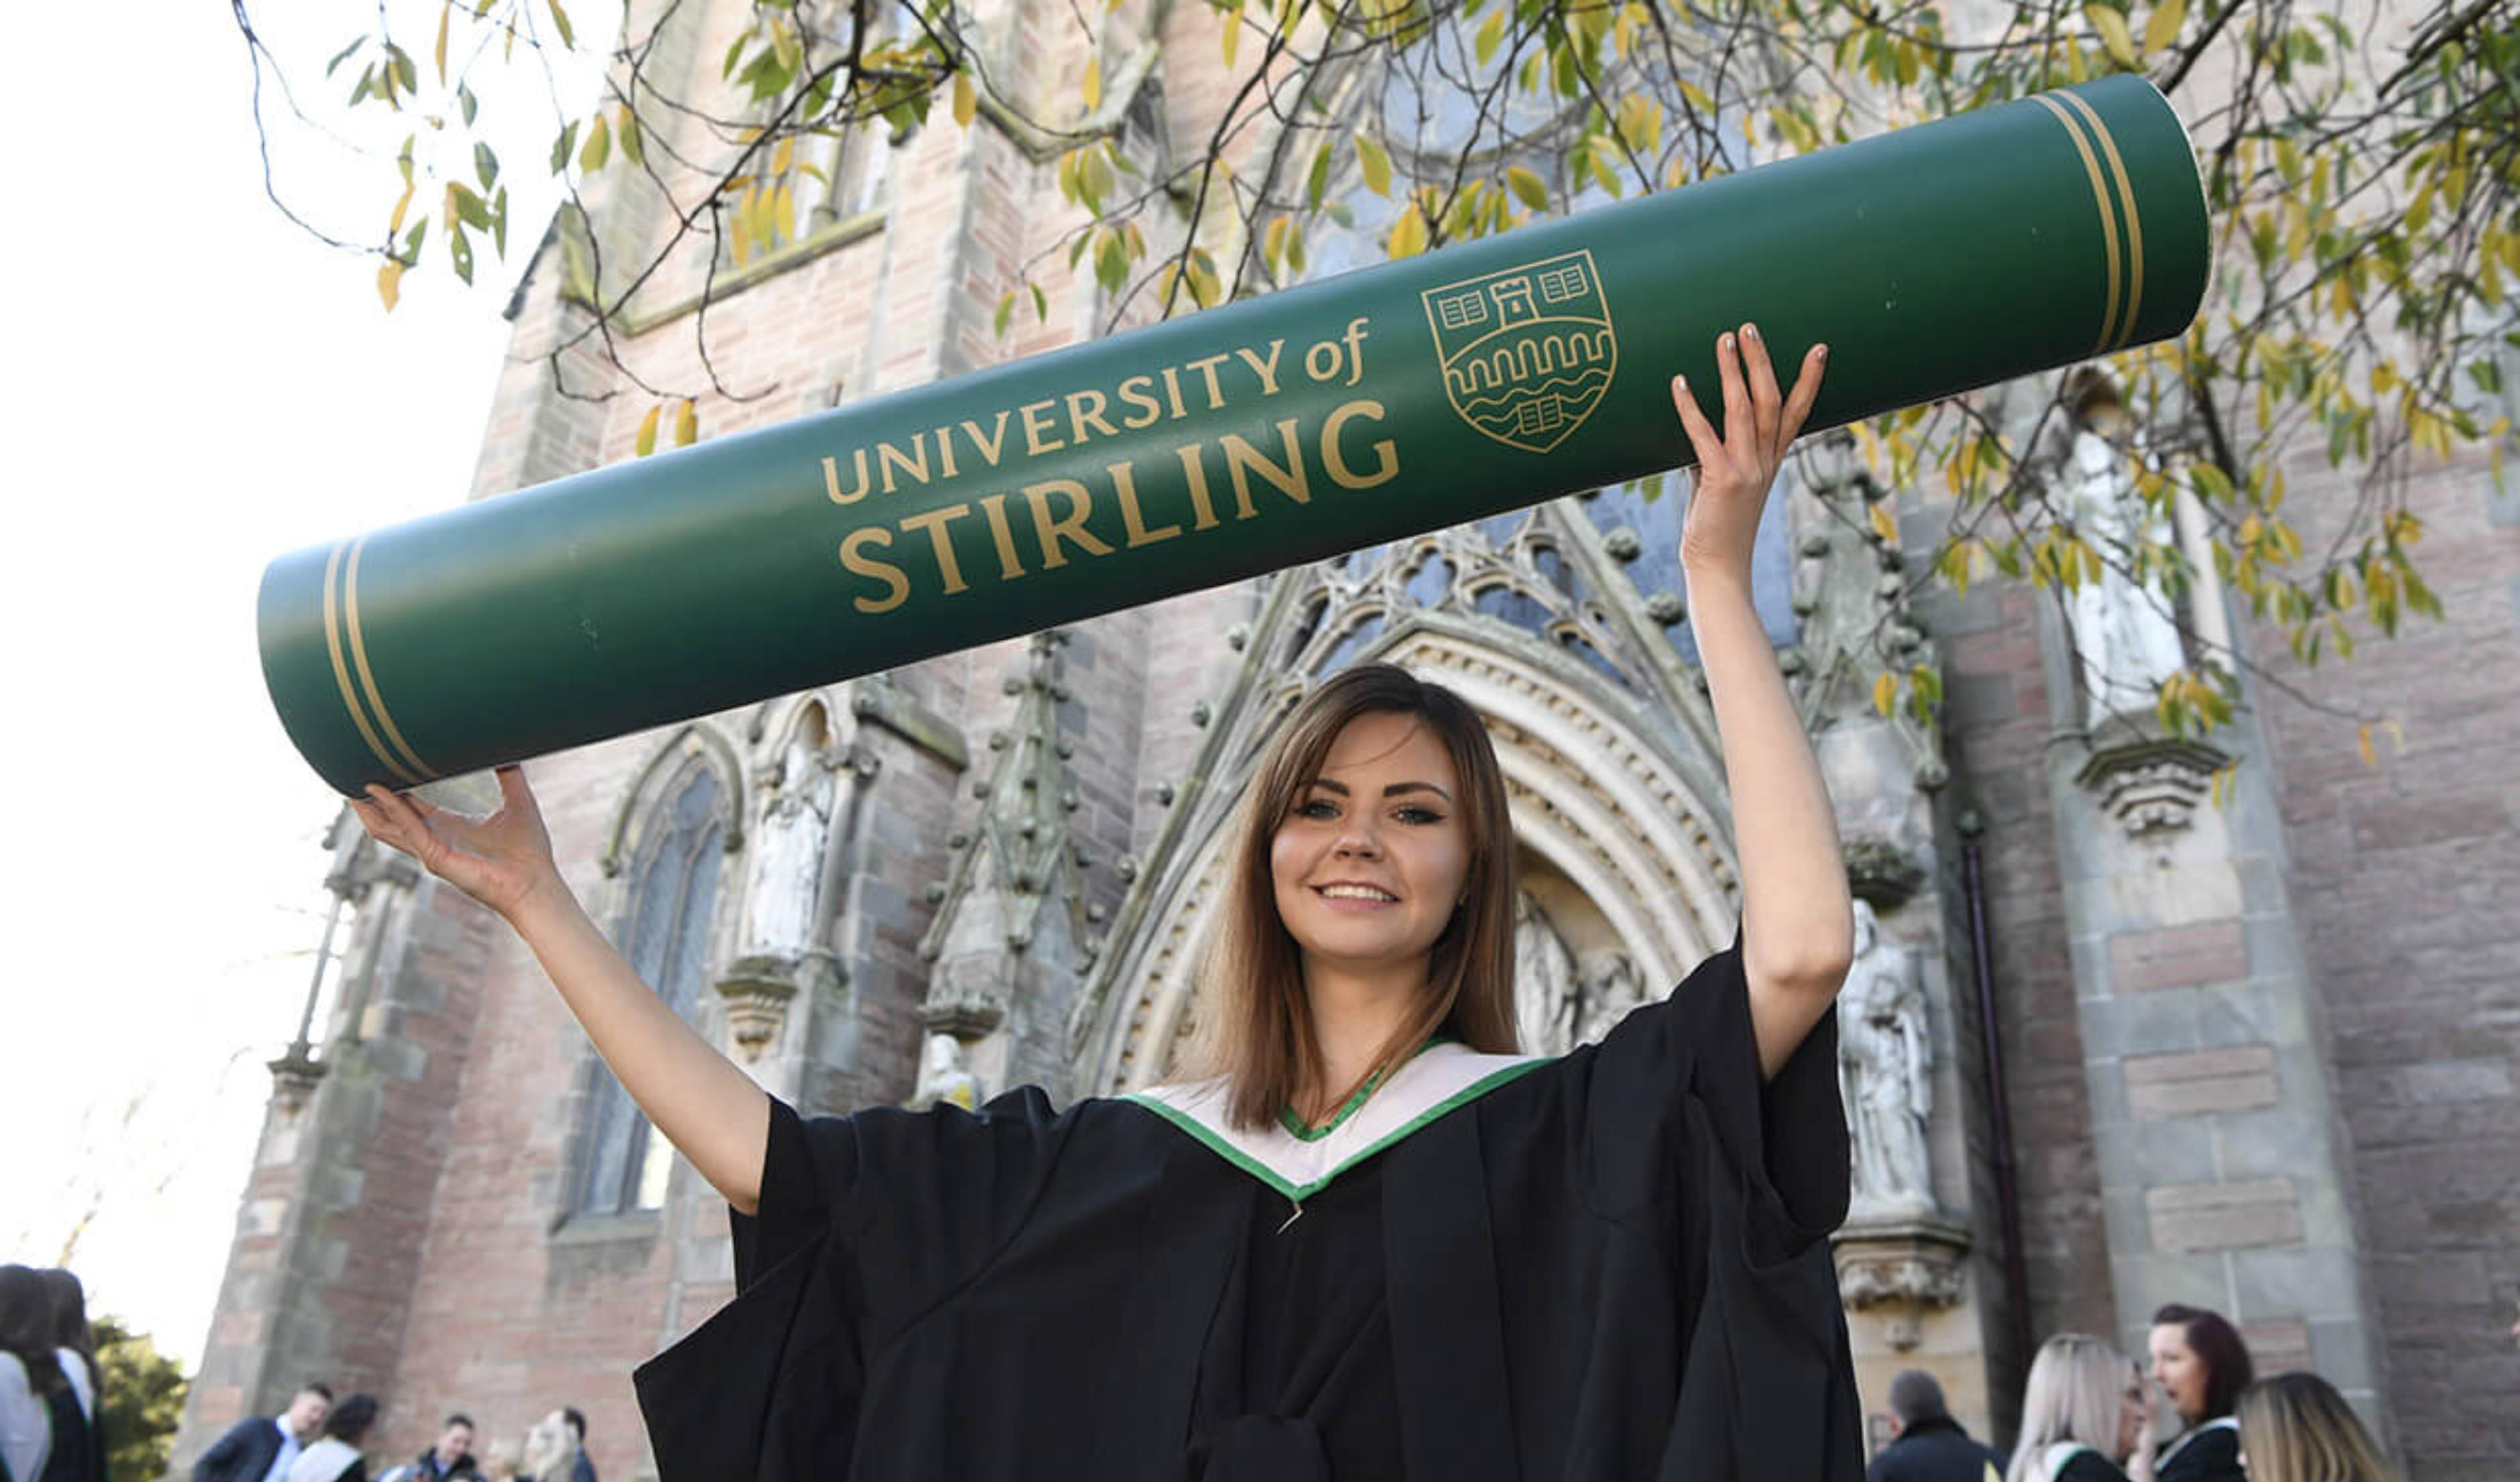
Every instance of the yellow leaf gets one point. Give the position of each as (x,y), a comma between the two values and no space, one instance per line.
(389,285)
(1883,525)
(1092,86)
(1375,164)
(1232,35)
(394,228)
(648,429)
(2113,32)
(2161,33)
(1527,186)
(1408,234)
(686,424)
(443,18)
(966,99)
(1885,691)
(2362,739)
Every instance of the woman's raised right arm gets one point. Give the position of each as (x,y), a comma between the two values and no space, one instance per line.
(711,1111)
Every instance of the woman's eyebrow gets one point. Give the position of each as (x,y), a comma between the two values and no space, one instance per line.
(1394,791)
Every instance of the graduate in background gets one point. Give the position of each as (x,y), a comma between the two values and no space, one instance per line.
(1374,1241)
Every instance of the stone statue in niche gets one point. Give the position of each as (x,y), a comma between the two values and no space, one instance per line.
(2126,634)
(1613,985)
(1546,992)
(1885,1066)
(790,847)
(943,1079)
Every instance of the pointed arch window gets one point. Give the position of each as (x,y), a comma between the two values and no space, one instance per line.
(665,936)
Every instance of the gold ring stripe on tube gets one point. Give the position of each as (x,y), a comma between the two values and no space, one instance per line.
(341,670)
(367,678)
(2126,196)
(2108,214)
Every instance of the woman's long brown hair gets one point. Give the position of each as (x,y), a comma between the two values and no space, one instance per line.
(1261,1034)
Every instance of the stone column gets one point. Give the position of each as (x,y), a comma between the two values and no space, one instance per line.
(2223,1181)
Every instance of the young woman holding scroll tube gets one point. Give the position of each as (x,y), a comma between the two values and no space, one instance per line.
(1376,1243)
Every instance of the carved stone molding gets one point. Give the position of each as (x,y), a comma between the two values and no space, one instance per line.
(294,1078)
(2151,786)
(757,991)
(1899,1268)
(1882,873)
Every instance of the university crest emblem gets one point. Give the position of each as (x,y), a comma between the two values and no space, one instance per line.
(1529,351)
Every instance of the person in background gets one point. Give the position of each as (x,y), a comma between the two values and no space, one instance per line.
(2084,1416)
(551,1451)
(35,1392)
(263,1448)
(584,1470)
(2202,1365)
(78,1442)
(499,1461)
(336,1456)
(2297,1428)
(451,1458)
(1929,1446)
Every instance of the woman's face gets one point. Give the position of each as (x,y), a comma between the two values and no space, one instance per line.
(1368,865)
(2177,1370)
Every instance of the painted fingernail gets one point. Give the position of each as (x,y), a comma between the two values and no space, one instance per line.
(1725,343)
(1750,331)
(1680,383)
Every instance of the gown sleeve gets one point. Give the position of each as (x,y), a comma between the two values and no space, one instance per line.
(1743,1181)
(1688,1068)
(865,1223)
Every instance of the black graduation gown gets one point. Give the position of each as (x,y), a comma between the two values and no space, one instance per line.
(1610,1268)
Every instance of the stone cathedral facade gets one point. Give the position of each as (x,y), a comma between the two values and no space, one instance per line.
(2112,1041)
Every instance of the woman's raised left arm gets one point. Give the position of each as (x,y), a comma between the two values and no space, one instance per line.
(1797,915)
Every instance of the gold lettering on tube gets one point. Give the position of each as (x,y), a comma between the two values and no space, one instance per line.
(994,506)
(1386,457)
(1084,410)
(1069,528)
(990,445)
(1194,461)
(1035,431)
(1142,398)
(892,458)
(934,522)
(897,586)
(1241,458)
(832,480)
(1124,479)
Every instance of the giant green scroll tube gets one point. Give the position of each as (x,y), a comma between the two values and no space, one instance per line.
(1287,428)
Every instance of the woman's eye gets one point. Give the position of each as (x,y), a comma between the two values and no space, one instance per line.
(1414,815)
(1318,807)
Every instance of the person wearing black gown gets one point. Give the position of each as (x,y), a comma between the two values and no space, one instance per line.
(2201,1364)
(1370,1241)
(2085,1416)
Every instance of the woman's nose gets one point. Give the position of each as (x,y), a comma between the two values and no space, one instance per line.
(1357,838)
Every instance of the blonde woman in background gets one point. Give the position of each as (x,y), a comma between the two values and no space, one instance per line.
(2297,1428)
(551,1450)
(2083,1414)
(499,1462)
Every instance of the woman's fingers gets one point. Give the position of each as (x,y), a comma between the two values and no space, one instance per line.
(1702,436)
(1763,384)
(1798,406)
(1739,426)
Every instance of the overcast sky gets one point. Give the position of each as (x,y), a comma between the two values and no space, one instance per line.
(192,387)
